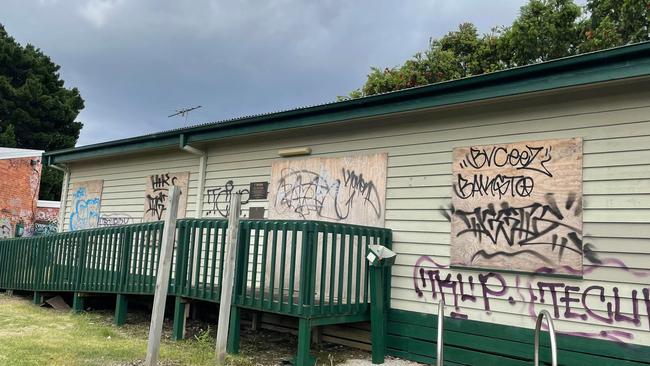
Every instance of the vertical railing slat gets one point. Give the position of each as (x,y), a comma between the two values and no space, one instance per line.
(283,257)
(274,245)
(256,238)
(263,272)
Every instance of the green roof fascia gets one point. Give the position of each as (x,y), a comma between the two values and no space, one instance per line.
(602,66)
(124,146)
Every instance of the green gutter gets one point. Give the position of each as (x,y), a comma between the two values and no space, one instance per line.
(609,65)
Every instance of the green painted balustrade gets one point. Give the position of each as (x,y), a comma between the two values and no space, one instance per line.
(312,270)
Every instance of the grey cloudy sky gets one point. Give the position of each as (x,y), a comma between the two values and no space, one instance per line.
(135,61)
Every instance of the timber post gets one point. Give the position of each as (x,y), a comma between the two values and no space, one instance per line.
(226,310)
(162,278)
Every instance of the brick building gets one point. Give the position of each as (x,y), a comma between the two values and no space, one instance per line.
(21,213)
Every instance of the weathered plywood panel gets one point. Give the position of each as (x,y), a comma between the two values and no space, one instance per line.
(86,204)
(157,194)
(349,189)
(518,206)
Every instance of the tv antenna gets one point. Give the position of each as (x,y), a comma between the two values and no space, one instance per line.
(184,112)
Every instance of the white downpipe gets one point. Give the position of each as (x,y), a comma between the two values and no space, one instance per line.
(198,213)
(203,162)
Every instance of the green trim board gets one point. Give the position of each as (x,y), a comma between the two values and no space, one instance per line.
(597,67)
(412,335)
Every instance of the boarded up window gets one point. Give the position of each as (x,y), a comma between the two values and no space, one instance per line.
(518,206)
(156,197)
(86,204)
(349,189)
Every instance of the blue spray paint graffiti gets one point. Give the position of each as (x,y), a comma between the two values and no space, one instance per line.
(85,210)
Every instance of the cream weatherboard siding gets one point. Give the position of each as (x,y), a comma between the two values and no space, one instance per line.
(124,181)
(613,120)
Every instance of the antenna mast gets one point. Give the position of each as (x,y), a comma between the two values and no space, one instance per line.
(184,112)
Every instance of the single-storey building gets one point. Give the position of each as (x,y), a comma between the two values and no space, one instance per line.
(507,193)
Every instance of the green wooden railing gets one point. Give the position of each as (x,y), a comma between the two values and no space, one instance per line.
(301,268)
(304,268)
(121,259)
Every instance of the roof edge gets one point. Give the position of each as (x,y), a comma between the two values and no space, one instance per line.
(600,66)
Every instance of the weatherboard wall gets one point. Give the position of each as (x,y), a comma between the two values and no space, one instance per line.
(124,182)
(614,123)
(613,120)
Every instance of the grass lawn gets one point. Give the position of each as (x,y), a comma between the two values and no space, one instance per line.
(32,335)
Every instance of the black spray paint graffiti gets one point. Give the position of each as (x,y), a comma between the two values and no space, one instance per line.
(532,158)
(160,184)
(593,304)
(306,193)
(156,205)
(525,227)
(497,186)
(219,198)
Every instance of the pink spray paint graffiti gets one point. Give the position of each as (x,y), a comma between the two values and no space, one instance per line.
(567,301)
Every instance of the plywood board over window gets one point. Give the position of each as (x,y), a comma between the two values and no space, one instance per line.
(86,204)
(348,189)
(518,206)
(156,197)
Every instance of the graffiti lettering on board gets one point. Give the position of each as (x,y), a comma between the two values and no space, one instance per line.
(116,219)
(593,304)
(86,204)
(156,196)
(350,190)
(518,206)
(219,198)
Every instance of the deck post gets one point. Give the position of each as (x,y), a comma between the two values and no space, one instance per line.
(303,357)
(227,284)
(178,331)
(38,297)
(255,321)
(377,314)
(121,306)
(77,302)
(162,278)
(317,334)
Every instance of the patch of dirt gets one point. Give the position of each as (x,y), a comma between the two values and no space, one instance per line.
(267,347)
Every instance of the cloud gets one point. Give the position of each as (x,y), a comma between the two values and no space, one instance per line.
(137,61)
(97,12)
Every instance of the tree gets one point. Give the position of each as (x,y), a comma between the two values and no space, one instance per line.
(36,110)
(615,23)
(544,30)
(458,54)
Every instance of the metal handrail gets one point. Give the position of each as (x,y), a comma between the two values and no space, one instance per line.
(441,317)
(551,332)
